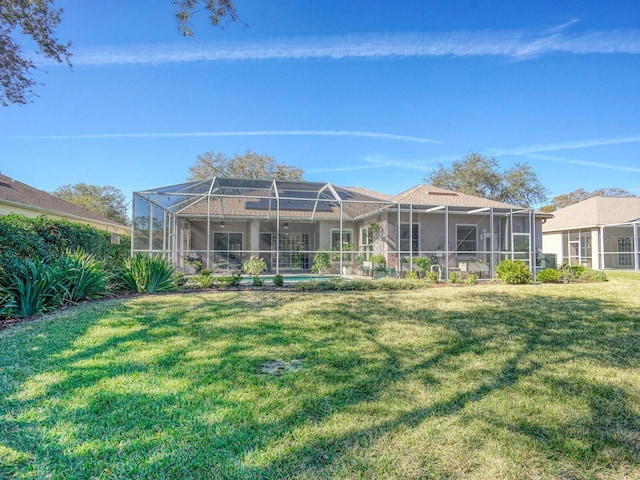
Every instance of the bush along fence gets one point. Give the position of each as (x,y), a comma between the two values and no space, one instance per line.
(47,263)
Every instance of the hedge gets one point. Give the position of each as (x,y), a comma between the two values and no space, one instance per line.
(47,239)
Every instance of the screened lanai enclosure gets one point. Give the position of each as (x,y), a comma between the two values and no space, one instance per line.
(217,224)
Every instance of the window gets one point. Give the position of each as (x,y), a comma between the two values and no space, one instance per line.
(347,238)
(467,239)
(405,237)
(624,245)
(347,242)
(227,248)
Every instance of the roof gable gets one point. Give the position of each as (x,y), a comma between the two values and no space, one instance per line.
(430,195)
(595,211)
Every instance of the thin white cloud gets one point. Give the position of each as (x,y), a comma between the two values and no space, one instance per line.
(513,44)
(606,166)
(375,162)
(574,145)
(249,133)
(540,152)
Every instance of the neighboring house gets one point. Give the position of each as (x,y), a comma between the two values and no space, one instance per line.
(600,232)
(20,198)
(218,223)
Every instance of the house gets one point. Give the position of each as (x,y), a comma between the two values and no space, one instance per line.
(20,198)
(218,223)
(600,232)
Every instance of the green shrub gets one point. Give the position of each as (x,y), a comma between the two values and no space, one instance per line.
(412,275)
(567,273)
(513,272)
(31,288)
(82,277)
(363,284)
(423,263)
(432,277)
(232,280)
(204,279)
(321,262)
(144,274)
(454,277)
(49,239)
(254,266)
(378,260)
(471,279)
(256,281)
(590,275)
(278,281)
(549,275)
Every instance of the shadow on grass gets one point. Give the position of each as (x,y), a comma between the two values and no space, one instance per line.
(176,392)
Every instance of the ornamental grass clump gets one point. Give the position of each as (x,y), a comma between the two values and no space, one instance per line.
(144,274)
(82,277)
(31,288)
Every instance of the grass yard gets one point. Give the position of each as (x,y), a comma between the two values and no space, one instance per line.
(474,382)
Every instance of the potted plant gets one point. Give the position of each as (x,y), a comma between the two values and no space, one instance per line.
(379,265)
(321,262)
(423,263)
(192,265)
(254,266)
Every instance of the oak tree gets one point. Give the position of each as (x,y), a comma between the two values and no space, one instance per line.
(478,175)
(107,201)
(34,22)
(248,165)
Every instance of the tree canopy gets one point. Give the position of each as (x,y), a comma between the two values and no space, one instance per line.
(37,21)
(107,201)
(27,22)
(579,195)
(248,165)
(476,174)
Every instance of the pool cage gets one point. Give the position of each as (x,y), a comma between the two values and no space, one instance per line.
(217,224)
(620,246)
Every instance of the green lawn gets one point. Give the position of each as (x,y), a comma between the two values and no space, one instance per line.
(473,382)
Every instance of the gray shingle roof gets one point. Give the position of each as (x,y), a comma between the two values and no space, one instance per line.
(430,195)
(21,194)
(595,211)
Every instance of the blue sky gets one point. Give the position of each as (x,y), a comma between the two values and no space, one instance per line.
(361,93)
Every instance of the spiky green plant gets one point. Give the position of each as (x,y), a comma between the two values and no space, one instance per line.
(82,277)
(144,274)
(7,304)
(32,287)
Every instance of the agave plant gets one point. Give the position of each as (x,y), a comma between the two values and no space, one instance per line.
(32,287)
(82,277)
(144,274)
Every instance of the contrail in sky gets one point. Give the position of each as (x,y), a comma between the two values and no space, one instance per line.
(250,133)
(515,44)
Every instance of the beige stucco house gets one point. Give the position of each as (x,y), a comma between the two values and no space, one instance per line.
(600,232)
(20,198)
(220,222)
